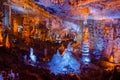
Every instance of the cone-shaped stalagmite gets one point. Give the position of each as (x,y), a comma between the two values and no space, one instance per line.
(1,37)
(7,44)
(85,47)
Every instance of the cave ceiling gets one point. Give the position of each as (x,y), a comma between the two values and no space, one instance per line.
(82,9)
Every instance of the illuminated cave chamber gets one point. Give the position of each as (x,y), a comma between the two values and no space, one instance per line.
(89,28)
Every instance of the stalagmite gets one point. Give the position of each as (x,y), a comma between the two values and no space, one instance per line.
(85,47)
(117,50)
(65,63)
(7,42)
(15,27)
(1,37)
(32,56)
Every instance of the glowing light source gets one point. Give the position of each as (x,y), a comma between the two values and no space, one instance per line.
(85,59)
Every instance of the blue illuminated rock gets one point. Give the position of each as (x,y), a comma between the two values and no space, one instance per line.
(64,64)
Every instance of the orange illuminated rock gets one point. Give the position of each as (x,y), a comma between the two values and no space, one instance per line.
(15,27)
(111,59)
(84,10)
(7,44)
(81,12)
(1,38)
(107,30)
(61,48)
(85,38)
